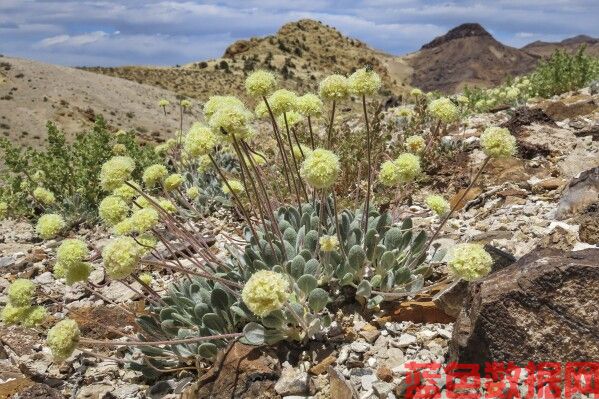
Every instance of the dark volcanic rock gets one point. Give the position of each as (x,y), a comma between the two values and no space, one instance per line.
(243,372)
(541,308)
(589,225)
(461,31)
(451,299)
(525,116)
(582,191)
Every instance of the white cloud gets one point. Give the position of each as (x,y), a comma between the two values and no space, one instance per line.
(179,31)
(74,41)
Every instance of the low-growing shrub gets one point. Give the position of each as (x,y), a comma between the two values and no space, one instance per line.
(68,171)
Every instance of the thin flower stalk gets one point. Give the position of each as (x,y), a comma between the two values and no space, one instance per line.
(96,342)
(457,203)
(236,198)
(368,152)
(330,130)
(280,146)
(295,165)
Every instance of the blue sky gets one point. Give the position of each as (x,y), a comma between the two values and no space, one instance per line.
(111,32)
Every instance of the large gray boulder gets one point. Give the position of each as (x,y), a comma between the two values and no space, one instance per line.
(544,307)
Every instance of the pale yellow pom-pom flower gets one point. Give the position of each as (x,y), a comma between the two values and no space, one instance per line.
(320,168)
(63,338)
(364,81)
(470,261)
(498,142)
(260,83)
(265,291)
(334,87)
(437,204)
(329,243)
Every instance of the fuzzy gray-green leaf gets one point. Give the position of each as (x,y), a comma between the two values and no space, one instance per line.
(307,283)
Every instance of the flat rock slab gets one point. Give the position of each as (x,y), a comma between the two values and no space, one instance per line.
(541,308)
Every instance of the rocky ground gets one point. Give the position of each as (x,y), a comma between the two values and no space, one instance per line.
(546,198)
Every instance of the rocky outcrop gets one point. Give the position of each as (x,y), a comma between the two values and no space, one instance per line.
(459,32)
(589,225)
(541,308)
(243,372)
(582,191)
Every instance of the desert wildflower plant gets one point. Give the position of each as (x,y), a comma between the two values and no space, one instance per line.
(298,256)
(56,178)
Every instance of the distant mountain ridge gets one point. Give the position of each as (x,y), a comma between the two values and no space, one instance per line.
(571,44)
(466,55)
(301,53)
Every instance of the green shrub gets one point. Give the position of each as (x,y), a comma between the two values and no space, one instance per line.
(563,72)
(69,170)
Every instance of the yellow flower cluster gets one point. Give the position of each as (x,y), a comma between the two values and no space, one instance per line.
(144,219)
(293,118)
(309,105)
(470,261)
(20,292)
(113,209)
(146,278)
(231,120)
(298,150)
(404,112)
(438,204)
(214,103)
(415,144)
(62,339)
(261,110)
(389,174)
(164,103)
(235,185)
(125,191)
(498,142)
(70,261)
(329,243)
(49,225)
(173,182)
(409,167)
(19,309)
(154,175)
(193,193)
(404,169)
(116,171)
(204,163)
(265,291)
(39,176)
(334,87)
(121,257)
(185,104)
(119,149)
(45,197)
(29,316)
(260,83)
(416,92)
(320,168)
(364,82)
(444,110)
(167,205)
(282,101)
(200,140)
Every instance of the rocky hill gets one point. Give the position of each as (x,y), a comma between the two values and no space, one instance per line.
(466,55)
(301,53)
(545,49)
(33,93)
